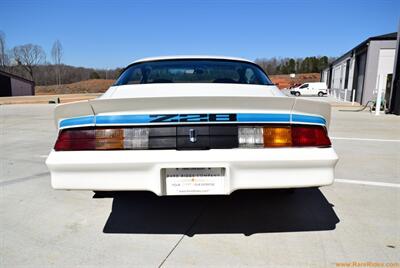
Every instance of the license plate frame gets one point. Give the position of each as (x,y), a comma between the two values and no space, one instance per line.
(194,181)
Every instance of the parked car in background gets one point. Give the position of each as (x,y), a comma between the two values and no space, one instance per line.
(294,85)
(310,89)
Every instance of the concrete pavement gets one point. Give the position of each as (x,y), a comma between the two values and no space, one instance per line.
(344,222)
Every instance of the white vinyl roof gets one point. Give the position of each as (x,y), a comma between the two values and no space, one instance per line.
(189,57)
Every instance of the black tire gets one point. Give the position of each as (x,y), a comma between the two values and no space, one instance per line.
(321,94)
(297,94)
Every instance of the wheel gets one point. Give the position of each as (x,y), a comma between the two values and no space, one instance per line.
(320,94)
(297,94)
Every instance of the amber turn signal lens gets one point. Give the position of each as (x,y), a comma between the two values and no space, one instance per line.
(110,139)
(277,136)
(109,144)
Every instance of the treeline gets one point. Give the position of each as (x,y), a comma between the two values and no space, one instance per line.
(46,74)
(294,65)
(31,62)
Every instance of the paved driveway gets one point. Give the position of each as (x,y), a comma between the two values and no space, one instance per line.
(356,219)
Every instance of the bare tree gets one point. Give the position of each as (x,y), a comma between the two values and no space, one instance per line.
(56,54)
(29,56)
(3,54)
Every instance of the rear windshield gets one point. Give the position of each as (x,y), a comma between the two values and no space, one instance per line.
(193,71)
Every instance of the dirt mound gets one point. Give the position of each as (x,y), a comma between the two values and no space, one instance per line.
(285,81)
(101,85)
(88,86)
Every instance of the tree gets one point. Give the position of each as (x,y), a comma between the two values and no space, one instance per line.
(3,54)
(56,54)
(29,56)
(323,62)
(294,65)
(94,75)
(291,66)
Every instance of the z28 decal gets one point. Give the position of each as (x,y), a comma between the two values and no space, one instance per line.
(156,119)
(166,118)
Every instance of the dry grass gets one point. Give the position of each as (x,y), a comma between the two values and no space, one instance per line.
(101,85)
(63,98)
(88,86)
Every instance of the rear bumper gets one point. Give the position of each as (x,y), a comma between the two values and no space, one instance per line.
(142,170)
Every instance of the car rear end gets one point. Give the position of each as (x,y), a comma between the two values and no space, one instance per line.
(193,153)
(191,126)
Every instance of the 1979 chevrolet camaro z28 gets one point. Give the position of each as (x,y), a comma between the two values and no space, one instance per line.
(192,125)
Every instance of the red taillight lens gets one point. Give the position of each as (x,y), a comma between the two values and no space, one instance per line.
(310,136)
(102,139)
(74,140)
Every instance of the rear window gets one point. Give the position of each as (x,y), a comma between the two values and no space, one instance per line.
(194,71)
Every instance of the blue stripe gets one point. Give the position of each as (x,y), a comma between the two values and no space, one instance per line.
(77,121)
(146,119)
(299,118)
(263,117)
(123,119)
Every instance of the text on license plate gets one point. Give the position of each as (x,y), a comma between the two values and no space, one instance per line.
(194,181)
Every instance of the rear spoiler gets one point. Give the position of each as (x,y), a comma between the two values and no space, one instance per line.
(86,111)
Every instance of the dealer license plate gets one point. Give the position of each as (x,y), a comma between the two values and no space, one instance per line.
(195,181)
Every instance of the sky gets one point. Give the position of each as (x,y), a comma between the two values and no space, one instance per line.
(109,34)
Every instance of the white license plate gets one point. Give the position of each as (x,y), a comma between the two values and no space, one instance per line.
(195,181)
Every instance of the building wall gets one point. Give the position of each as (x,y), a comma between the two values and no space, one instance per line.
(394,106)
(21,88)
(338,85)
(351,78)
(371,72)
(5,86)
(324,76)
(359,74)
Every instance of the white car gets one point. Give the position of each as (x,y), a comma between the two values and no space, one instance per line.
(310,89)
(192,125)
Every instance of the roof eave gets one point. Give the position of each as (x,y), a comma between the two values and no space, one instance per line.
(389,36)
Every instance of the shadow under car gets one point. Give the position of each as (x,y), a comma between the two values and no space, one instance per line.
(247,212)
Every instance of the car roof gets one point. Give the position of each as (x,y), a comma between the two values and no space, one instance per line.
(190,57)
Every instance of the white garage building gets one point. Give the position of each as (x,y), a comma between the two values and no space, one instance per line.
(363,69)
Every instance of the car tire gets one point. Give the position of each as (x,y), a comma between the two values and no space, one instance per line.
(297,94)
(320,94)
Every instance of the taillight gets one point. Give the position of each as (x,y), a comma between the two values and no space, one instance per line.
(283,136)
(102,139)
(310,136)
(251,137)
(277,136)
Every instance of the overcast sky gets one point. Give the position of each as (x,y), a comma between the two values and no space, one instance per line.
(107,34)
